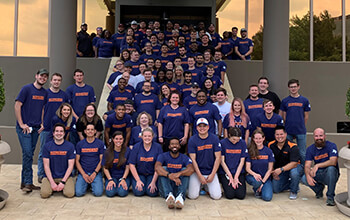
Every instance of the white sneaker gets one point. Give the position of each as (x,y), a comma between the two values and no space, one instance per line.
(179,202)
(170,201)
(293,196)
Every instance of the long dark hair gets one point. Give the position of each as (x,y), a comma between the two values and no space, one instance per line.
(110,152)
(95,119)
(253,149)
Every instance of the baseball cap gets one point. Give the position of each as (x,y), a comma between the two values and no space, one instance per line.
(243,30)
(133,22)
(129,101)
(83,24)
(195,84)
(121,25)
(202,121)
(42,72)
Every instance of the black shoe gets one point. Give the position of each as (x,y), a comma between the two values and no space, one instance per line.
(40,179)
(330,202)
(29,187)
(319,195)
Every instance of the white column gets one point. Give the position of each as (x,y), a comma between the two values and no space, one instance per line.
(15,31)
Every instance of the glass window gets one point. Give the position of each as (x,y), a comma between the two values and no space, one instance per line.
(7,14)
(299,31)
(33,28)
(231,15)
(327,30)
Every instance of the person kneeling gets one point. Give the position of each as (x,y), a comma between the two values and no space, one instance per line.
(173,169)
(58,159)
(116,166)
(88,162)
(286,172)
(205,152)
(232,174)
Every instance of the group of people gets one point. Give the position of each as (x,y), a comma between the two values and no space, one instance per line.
(150,38)
(149,141)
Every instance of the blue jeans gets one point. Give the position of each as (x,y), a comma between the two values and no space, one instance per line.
(166,186)
(266,190)
(43,138)
(301,142)
(145,190)
(28,143)
(96,185)
(327,176)
(118,190)
(288,180)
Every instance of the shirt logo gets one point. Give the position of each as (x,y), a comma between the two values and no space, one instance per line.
(268,125)
(146,159)
(174,166)
(89,150)
(296,104)
(58,153)
(205,147)
(55,100)
(174,114)
(119,126)
(120,98)
(202,112)
(81,94)
(255,106)
(322,156)
(116,160)
(37,97)
(229,151)
(147,101)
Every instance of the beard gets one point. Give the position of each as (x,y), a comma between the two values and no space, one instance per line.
(320,143)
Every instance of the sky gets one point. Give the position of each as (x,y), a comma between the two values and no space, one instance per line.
(33,20)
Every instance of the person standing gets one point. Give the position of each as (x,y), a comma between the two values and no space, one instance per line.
(264,93)
(84,43)
(29,106)
(295,113)
(55,97)
(80,94)
(244,46)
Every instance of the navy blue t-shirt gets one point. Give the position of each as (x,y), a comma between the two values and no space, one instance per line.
(145,160)
(54,100)
(208,111)
(148,104)
(295,109)
(117,125)
(113,76)
(33,101)
(117,172)
(90,154)
(205,151)
(136,134)
(253,108)
(174,165)
(117,97)
(79,97)
(260,165)
(323,154)
(219,67)
(105,47)
(238,124)
(173,121)
(268,125)
(244,45)
(185,90)
(233,154)
(154,87)
(189,101)
(58,156)
(135,67)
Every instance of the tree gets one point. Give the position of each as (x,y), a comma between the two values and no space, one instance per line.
(327,45)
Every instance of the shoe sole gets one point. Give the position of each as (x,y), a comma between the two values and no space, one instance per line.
(179,205)
(171,203)
(26,190)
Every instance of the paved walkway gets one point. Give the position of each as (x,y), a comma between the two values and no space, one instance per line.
(30,206)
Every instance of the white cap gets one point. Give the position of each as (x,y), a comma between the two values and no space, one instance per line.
(202,121)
